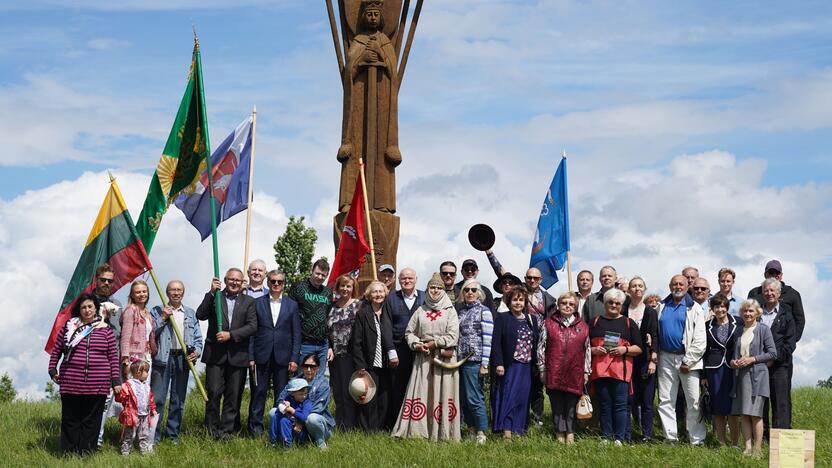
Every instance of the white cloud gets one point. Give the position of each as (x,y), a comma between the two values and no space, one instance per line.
(107,43)
(40,253)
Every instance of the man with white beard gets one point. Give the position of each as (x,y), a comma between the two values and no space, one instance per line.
(682,343)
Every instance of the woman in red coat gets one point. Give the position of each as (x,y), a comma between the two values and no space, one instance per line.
(564,362)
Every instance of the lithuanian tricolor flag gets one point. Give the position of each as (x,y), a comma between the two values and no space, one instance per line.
(113,239)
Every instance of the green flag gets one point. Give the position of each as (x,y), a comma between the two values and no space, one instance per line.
(183,159)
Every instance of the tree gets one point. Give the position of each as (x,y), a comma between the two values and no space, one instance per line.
(7,391)
(825,383)
(294,249)
(52,393)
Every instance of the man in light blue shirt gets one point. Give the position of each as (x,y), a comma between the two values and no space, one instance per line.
(726,277)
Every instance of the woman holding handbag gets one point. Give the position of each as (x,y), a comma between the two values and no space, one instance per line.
(564,362)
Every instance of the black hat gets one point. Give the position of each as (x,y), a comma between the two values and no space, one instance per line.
(470,262)
(515,281)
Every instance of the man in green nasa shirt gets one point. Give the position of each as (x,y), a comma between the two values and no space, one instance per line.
(313,300)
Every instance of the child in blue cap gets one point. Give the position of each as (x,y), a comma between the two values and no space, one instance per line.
(288,418)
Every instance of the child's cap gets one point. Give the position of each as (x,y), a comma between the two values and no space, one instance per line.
(296,385)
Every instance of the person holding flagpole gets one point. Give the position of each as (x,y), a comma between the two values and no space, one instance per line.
(226,352)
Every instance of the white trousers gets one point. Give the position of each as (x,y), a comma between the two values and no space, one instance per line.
(669,380)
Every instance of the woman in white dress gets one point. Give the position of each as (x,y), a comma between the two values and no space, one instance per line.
(431,404)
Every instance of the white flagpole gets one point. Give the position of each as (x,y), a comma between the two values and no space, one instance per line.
(250,184)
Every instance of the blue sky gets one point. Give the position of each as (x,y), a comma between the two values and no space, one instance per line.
(698,133)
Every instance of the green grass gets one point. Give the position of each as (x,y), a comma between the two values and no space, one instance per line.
(30,438)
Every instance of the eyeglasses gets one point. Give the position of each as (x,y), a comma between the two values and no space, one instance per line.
(448,273)
(532,278)
(701,288)
(276,281)
(614,304)
(233,280)
(469,269)
(470,290)
(309,366)
(105,280)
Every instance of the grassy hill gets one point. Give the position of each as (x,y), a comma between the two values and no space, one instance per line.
(30,433)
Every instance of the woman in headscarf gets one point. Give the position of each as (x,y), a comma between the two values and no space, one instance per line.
(86,347)
(431,405)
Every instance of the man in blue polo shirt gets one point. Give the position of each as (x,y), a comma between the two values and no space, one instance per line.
(682,342)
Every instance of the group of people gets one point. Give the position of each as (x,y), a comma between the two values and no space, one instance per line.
(414,363)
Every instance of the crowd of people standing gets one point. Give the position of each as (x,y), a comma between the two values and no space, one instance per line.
(415,363)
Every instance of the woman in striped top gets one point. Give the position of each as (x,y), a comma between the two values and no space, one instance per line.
(86,347)
(475,327)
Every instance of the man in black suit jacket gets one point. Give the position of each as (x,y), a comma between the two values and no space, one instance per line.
(788,296)
(275,348)
(399,307)
(777,315)
(226,351)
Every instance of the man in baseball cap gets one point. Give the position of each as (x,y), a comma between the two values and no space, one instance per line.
(788,295)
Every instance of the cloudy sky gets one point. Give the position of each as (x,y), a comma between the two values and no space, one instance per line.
(697,134)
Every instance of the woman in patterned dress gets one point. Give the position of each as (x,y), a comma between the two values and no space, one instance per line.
(339,326)
(431,404)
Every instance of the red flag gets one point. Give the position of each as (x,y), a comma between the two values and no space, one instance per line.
(353,247)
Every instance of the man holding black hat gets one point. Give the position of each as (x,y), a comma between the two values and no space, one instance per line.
(471,270)
(788,296)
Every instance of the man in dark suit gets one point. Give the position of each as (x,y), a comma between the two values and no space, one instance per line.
(788,296)
(226,351)
(399,307)
(275,347)
(777,315)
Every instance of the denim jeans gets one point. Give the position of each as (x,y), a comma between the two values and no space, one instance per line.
(612,399)
(315,428)
(473,401)
(174,377)
(307,348)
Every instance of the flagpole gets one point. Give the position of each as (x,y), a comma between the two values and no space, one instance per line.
(179,336)
(369,221)
(203,118)
(250,183)
(568,252)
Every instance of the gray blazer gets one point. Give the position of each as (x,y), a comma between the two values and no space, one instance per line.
(763,350)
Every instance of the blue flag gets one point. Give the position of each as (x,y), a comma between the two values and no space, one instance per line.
(551,240)
(230,164)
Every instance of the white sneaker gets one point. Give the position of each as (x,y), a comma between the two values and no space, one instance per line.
(618,443)
(481,439)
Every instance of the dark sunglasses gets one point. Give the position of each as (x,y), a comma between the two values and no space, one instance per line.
(276,281)
(532,278)
(471,290)
(448,273)
(309,366)
(105,280)
(700,288)
(469,269)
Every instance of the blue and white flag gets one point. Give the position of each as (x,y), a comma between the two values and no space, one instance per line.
(551,240)
(230,165)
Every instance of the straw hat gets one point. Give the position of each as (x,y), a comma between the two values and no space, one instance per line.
(362,388)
